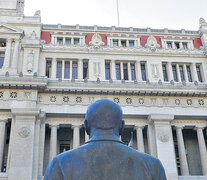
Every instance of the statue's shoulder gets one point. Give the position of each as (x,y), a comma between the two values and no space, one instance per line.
(144,158)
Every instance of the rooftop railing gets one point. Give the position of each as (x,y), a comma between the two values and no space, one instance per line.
(119,29)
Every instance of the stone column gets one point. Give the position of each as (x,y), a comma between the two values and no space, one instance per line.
(151,139)
(72,41)
(164,143)
(53,140)
(15,54)
(36,149)
(181,150)
(127,43)
(71,69)
(169,71)
(86,137)
(185,73)
(2,139)
(42,145)
(140,140)
(80,69)
(54,68)
(178,72)
(138,71)
(108,42)
(129,71)
(119,42)
(64,41)
(113,69)
(202,149)
(76,136)
(63,69)
(194,72)
(21,165)
(8,53)
(173,45)
(121,70)
(181,45)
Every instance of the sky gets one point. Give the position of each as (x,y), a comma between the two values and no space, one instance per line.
(156,14)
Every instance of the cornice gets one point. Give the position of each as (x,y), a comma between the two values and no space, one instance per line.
(140,88)
(124,51)
(23,82)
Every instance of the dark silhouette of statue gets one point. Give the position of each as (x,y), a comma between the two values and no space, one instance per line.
(104,156)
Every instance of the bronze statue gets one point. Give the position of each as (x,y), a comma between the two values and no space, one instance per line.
(104,156)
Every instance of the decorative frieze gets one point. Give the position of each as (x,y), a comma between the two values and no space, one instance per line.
(134,101)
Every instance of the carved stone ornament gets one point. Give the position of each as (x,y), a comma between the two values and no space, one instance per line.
(37,13)
(96,41)
(163,136)
(20,6)
(152,43)
(202,21)
(30,60)
(24,132)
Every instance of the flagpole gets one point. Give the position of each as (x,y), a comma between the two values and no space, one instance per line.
(118,12)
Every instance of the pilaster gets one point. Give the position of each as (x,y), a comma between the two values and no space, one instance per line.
(22,154)
(164,143)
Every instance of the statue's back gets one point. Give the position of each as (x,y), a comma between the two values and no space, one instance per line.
(106,160)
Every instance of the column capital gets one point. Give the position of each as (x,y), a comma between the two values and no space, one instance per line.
(76,126)
(17,40)
(137,126)
(54,125)
(8,39)
(4,118)
(199,127)
(160,118)
(178,126)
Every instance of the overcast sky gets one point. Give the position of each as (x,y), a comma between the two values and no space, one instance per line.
(171,14)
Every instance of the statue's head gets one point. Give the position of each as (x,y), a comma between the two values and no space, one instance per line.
(104,114)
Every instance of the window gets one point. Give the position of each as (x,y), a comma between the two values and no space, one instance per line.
(182,77)
(76,41)
(64,147)
(59,69)
(85,70)
(115,43)
(143,71)
(177,45)
(164,69)
(123,43)
(107,71)
(199,73)
(169,45)
(67,42)
(118,72)
(133,71)
(2,56)
(60,41)
(189,73)
(174,70)
(125,70)
(2,43)
(131,43)
(185,45)
(48,69)
(67,70)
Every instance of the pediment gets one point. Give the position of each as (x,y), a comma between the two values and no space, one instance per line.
(7,29)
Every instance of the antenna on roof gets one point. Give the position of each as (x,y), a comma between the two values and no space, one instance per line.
(118,12)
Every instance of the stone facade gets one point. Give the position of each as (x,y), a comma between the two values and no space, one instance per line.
(49,74)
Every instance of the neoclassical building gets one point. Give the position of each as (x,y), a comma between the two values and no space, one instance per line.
(50,74)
